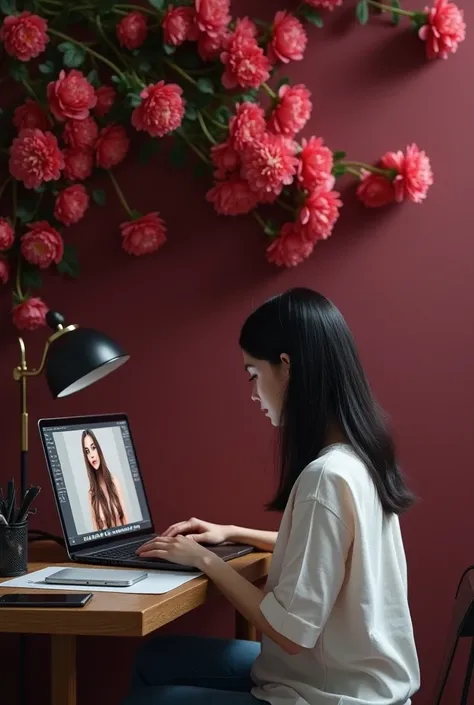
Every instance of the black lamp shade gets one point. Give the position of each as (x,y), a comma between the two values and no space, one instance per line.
(79,358)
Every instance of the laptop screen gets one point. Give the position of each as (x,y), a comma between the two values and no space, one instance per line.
(96,478)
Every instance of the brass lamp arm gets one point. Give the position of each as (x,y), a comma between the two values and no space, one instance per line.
(22,369)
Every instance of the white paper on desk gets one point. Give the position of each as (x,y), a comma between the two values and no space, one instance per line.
(157,582)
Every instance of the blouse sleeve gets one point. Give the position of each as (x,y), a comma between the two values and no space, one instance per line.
(312,573)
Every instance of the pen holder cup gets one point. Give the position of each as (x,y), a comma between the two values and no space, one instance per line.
(13,550)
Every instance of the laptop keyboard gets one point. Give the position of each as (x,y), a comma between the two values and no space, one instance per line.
(127,551)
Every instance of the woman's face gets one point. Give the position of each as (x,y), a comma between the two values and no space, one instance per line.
(91,452)
(269,384)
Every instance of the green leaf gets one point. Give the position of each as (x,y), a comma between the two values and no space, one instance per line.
(73,55)
(177,154)
(47,67)
(8,7)
(157,4)
(283,81)
(191,111)
(338,170)
(395,16)
(93,78)
(148,149)
(311,15)
(18,71)
(31,278)
(362,11)
(419,19)
(25,211)
(205,85)
(169,49)
(271,228)
(337,156)
(223,115)
(69,264)
(134,99)
(144,66)
(98,196)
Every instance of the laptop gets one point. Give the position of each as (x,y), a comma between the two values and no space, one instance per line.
(100,494)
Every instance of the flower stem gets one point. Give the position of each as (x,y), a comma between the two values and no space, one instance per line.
(388,8)
(100,29)
(205,130)
(268,90)
(260,220)
(181,71)
(120,194)
(354,172)
(286,206)
(90,51)
(214,122)
(192,146)
(140,8)
(367,167)
(4,185)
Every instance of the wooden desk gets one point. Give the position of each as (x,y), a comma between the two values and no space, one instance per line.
(116,614)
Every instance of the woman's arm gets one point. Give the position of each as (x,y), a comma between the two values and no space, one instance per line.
(263,540)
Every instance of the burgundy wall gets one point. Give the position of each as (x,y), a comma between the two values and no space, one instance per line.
(403,278)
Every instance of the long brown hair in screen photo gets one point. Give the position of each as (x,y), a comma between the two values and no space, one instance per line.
(107,512)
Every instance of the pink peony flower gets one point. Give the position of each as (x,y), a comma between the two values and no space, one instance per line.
(112,146)
(24,36)
(78,163)
(268,164)
(245,28)
(209,48)
(232,197)
(7,235)
(375,190)
(132,30)
(35,157)
(105,99)
(30,314)
(289,249)
(414,174)
(292,111)
(43,245)
(31,114)
(247,125)
(444,30)
(325,4)
(179,25)
(71,204)
(212,16)
(289,38)
(225,158)
(4,271)
(143,235)
(161,110)
(315,165)
(245,63)
(71,96)
(81,133)
(319,214)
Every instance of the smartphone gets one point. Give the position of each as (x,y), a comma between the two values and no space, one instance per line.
(96,576)
(34,599)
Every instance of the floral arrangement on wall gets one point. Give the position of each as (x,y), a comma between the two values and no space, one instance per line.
(98,79)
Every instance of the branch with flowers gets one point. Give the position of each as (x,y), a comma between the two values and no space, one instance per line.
(102,79)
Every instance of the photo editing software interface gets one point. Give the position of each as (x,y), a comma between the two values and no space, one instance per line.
(97,482)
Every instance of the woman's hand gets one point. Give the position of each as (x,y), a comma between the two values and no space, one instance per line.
(200,531)
(176,549)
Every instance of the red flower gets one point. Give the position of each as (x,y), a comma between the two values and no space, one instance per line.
(289,249)
(325,4)
(319,214)
(414,174)
(112,146)
(225,158)
(24,36)
(444,30)
(105,99)
(31,114)
(315,165)
(179,25)
(289,38)
(375,190)
(232,197)
(161,110)
(292,111)
(30,314)
(71,204)
(247,125)
(43,245)
(35,157)
(4,271)
(212,16)
(78,163)
(245,63)
(81,133)
(7,235)
(268,164)
(71,96)
(209,48)
(143,235)
(132,30)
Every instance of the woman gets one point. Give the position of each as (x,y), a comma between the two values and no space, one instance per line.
(105,496)
(334,616)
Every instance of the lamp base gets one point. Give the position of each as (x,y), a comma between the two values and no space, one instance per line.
(38,535)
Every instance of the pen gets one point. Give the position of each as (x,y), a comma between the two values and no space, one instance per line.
(10,499)
(3,521)
(30,495)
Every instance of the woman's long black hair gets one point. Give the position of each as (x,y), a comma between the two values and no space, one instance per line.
(327,386)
